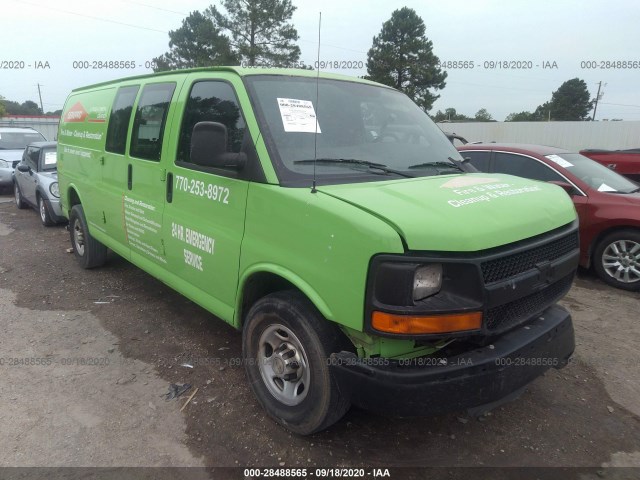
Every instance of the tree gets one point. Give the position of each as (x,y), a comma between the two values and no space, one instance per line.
(197,43)
(3,110)
(483,116)
(450,115)
(260,30)
(26,108)
(571,101)
(522,117)
(402,57)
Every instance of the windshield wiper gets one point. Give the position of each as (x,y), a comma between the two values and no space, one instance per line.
(451,165)
(355,161)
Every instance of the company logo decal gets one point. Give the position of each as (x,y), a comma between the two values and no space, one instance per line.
(76,114)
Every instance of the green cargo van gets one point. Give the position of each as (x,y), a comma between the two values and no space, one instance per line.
(330,220)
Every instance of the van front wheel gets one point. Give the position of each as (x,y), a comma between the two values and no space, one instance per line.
(88,251)
(286,347)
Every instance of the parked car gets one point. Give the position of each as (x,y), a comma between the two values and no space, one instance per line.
(624,162)
(13,141)
(608,204)
(36,182)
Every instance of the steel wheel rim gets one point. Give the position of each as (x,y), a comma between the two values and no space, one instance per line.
(43,212)
(283,365)
(621,261)
(78,238)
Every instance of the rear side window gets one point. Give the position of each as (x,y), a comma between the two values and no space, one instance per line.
(522,166)
(478,159)
(119,119)
(211,101)
(151,115)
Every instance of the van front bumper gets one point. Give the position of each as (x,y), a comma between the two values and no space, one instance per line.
(485,375)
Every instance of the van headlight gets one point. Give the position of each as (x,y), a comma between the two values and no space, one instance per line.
(54,189)
(427,281)
(4,164)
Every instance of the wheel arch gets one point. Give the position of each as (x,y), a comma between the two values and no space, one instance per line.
(73,198)
(261,280)
(604,233)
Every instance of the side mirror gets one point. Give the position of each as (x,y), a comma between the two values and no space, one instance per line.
(570,189)
(23,168)
(209,147)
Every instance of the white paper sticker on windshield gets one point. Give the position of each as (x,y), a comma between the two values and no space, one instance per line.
(50,158)
(298,115)
(559,161)
(606,188)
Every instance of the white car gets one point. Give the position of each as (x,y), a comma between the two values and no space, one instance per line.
(13,141)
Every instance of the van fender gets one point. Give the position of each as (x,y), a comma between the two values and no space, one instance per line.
(287,275)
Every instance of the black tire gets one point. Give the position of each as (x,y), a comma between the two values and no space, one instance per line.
(88,251)
(616,259)
(17,196)
(44,210)
(320,402)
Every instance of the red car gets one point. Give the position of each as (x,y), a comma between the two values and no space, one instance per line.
(624,162)
(608,204)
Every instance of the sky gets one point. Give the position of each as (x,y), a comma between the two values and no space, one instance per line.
(46,40)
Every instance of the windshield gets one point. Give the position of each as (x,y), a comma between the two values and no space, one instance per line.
(18,140)
(358,125)
(593,174)
(49,159)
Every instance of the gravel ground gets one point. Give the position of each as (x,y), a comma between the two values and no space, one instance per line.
(136,333)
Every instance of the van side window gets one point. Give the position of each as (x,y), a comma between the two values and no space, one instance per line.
(148,125)
(119,119)
(211,101)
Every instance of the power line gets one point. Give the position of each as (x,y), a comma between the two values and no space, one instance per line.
(91,17)
(155,8)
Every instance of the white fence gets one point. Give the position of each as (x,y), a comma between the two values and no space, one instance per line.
(572,136)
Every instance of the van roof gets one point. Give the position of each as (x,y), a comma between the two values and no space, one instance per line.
(240,71)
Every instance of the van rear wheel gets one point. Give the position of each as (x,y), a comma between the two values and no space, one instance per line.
(88,251)
(286,345)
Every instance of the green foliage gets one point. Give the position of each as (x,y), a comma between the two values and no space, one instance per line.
(260,31)
(14,108)
(483,115)
(522,117)
(3,110)
(451,115)
(402,57)
(570,102)
(197,43)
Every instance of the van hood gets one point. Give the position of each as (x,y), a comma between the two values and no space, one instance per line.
(467,212)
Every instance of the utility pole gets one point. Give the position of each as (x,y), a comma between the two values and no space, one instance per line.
(598,97)
(40,95)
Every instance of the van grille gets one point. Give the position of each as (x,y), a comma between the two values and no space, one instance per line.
(514,264)
(504,317)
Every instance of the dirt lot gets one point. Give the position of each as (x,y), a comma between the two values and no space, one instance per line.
(138,333)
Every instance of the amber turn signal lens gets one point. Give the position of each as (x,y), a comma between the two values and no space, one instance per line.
(408,324)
